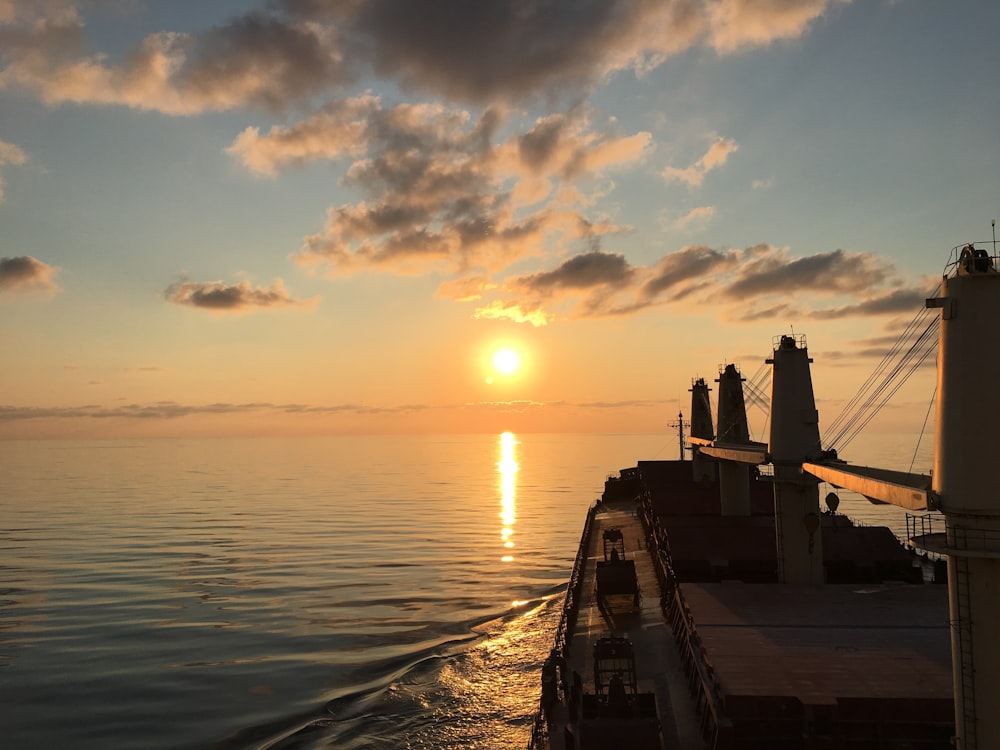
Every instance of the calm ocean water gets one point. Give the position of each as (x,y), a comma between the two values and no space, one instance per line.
(318,592)
(372,592)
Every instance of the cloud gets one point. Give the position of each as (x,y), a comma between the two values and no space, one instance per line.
(441,193)
(889,303)
(767,270)
(241,297)
(593,269)
(159,410)
(694,263)
(698,216)
(717,155)
(482,52)
(341,129)
(173,410)
(465,289)
(475,52)
(598,277)
(515,311)
(738,285)
(10,154)
(739,24)
(26,274)
(505,50)
(254,59)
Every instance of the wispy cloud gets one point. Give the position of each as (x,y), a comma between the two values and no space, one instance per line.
(696,217)
(739,24)
(217,296)
(515,311)
(9,154)
(465,289)
(26,274)
(717,155)
(173,410)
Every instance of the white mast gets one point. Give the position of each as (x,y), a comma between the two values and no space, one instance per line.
(794,439)
(966,482)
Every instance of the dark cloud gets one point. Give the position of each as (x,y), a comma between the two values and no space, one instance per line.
(593,269)
(759,282)
(539,145)
(26,274)
(502,50)
(286,62)
(482,51)
(769,271)
(897,301)
(219,297)
(696,262)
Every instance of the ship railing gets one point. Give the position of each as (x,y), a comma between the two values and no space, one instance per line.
(932,533)
(702,680)
(574,588)
(984,248)
(567,620)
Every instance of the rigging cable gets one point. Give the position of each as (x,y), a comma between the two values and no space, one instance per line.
(922,348)
(923,427)
(909,345)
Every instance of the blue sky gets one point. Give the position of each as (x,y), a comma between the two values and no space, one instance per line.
(310,216)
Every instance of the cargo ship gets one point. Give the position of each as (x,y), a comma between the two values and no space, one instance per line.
(714,605)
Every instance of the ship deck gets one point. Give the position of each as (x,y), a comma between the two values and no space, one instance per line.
(659,668)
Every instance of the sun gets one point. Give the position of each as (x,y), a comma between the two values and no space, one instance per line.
(506,361)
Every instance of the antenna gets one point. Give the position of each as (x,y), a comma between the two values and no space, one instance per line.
(679,425)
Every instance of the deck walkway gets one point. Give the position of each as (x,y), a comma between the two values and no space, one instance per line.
(658,664)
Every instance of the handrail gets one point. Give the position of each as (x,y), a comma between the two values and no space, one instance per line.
(955,257)
(933,533)
(678,615)
(570,611)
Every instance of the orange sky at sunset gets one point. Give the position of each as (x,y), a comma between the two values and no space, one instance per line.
(321,217)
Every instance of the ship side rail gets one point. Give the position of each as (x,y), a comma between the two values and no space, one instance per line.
(933,534)
(567,621)
(702,681)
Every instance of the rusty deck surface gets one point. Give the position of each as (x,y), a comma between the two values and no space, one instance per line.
(820,644)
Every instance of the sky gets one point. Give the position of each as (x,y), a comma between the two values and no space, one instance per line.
(327,216)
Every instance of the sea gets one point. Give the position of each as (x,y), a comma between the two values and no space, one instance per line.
(313,592)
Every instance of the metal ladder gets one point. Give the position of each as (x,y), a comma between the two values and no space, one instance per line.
(963,630)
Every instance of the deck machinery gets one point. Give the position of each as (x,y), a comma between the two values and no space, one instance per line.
(616,577)
(618,715)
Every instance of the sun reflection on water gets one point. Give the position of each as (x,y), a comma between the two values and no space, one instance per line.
(507,468)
